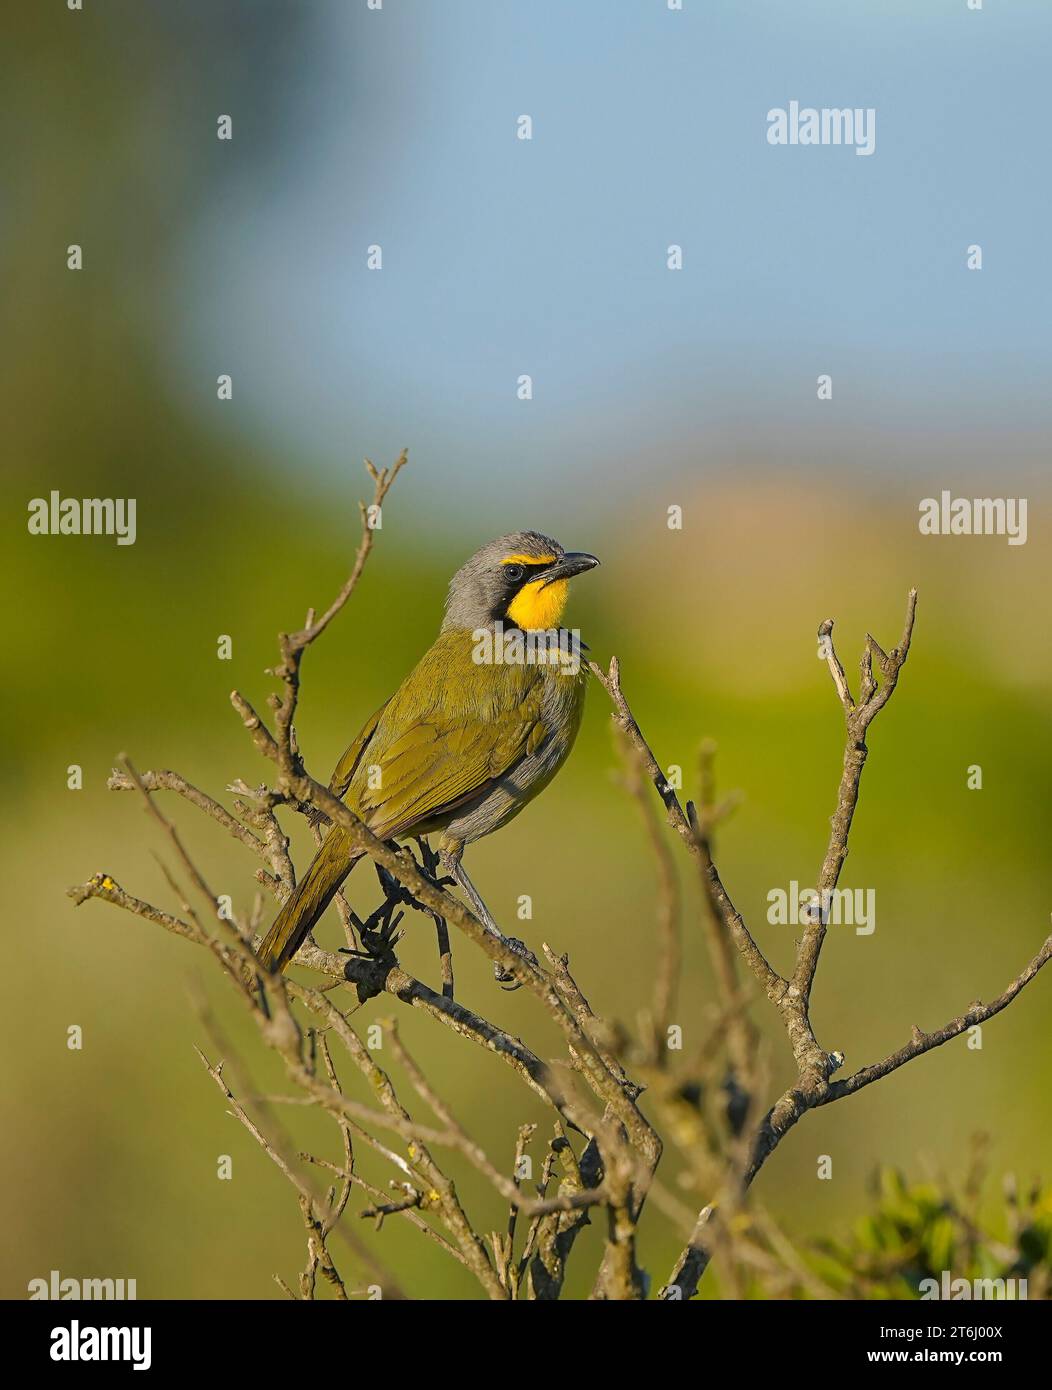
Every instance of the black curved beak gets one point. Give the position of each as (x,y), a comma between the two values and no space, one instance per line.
(573,562)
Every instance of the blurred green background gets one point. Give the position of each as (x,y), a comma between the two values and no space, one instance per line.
(790,516)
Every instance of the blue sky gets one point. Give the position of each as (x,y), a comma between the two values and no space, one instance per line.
(548,257)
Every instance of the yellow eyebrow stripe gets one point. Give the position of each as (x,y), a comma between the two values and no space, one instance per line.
(529,560)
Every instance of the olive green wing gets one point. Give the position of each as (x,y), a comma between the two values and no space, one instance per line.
(348,764)
(450,733)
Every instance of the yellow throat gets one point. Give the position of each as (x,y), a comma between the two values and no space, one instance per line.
(539,605)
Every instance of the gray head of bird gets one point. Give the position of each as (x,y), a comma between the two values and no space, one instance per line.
(521,580)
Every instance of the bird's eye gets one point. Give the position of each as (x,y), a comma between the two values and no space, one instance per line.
(513,573)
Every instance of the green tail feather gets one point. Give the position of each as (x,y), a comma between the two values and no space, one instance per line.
(311,896)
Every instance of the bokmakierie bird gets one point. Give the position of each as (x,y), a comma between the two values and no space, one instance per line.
(464,744)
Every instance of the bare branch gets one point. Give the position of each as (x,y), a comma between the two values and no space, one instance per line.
(920,1042)
(172,781)
(858,719)
(773,984)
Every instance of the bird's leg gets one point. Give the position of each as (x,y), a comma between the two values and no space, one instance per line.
(379,934)
(368,968)
(431,866)
(454,865)
(395,893)
(475,898)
